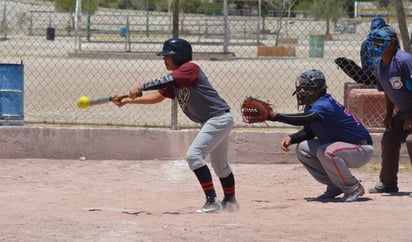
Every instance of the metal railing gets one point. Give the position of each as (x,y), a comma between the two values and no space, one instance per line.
(113,51)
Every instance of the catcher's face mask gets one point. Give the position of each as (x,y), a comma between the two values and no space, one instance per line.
(304,94)
(378,41)
(309,86)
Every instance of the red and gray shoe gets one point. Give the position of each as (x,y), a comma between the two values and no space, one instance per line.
(354,195)
(212,205)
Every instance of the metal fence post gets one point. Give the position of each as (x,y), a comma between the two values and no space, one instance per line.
(173,124)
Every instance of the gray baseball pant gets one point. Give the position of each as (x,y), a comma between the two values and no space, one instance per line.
(213,139)
(329,163)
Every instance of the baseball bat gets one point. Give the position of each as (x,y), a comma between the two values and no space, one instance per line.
(84,101)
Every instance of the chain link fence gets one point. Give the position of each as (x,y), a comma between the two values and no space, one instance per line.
(66,56)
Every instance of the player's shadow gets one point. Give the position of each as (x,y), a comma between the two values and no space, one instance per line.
(397,194)
(361,199)
(334,200)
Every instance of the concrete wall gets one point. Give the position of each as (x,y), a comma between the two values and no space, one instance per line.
(20,142)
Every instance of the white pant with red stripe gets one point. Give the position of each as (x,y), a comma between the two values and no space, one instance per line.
(329,163)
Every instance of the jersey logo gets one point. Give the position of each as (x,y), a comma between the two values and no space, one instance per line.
(396,82)
(183,97)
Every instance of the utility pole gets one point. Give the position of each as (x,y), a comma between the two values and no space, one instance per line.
(402,26)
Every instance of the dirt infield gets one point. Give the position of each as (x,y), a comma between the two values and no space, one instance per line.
(112,200)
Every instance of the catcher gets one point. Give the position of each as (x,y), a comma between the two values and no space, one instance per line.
(365,74)
(331,141)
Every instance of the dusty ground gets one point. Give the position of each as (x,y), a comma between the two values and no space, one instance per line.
(73,200)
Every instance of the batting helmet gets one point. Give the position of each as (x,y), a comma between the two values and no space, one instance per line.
(307,84)
(180,49)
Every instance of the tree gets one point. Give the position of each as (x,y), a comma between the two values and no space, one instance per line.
(128,4)
(328,10)
(70,5)
(189,6)
(289,4)
(108,3)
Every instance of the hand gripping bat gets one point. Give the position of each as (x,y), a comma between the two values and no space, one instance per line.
(84,101)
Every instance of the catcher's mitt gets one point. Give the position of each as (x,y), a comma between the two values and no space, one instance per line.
(254,110)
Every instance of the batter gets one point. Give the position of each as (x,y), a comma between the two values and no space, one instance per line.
(202,104)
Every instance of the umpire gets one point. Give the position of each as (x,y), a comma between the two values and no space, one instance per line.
(394,71)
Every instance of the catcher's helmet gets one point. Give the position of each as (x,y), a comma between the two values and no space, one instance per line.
(377,23)
(307,84)
(379,40)
(180,49)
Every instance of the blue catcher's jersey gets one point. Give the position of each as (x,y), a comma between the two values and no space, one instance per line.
(338,124)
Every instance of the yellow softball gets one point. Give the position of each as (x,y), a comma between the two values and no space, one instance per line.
(83,102)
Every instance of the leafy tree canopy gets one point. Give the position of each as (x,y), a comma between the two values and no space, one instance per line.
(70,5)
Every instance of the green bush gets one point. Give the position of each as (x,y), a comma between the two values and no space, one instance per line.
(70,6)
(210,8)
